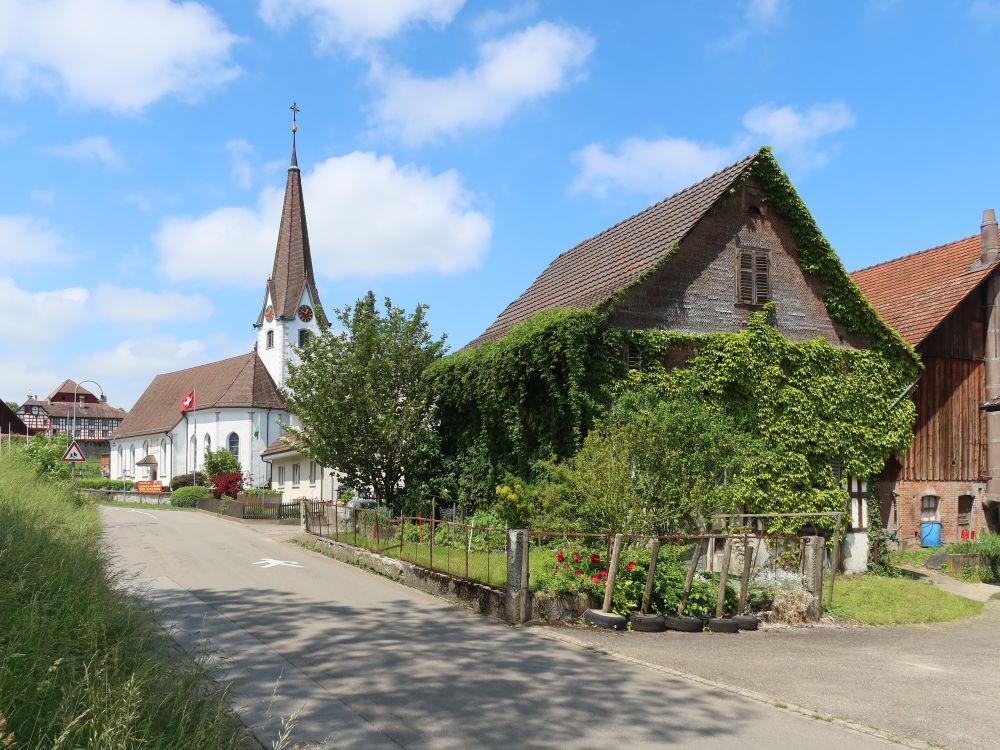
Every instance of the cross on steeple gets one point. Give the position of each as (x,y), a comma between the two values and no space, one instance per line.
(295,110)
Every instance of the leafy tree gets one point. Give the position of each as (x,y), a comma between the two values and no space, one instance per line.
(45,454)
(219,461)
(359,395)
(14,406)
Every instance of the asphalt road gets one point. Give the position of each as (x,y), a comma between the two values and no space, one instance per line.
(370,663)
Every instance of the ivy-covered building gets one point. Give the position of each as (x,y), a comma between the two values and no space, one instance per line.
(674,285)
(943,301)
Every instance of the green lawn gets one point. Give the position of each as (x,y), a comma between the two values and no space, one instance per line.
(143,506)
(875,600)
(915,557)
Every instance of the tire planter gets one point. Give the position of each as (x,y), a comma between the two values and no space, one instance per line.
(747,622)
(723,625)
(647,623)
(606,620)
(683,623)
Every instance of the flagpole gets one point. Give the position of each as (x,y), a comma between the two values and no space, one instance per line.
(194,459)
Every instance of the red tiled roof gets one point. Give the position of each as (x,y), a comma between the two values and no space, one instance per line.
(237,381)
(916,292)
(67,386)
(281,444)
(596,269)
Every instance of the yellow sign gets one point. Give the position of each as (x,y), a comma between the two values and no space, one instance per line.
(151,488)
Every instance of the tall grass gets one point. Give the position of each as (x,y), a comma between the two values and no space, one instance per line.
(82,664)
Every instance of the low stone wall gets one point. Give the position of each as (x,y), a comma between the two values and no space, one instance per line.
(478,596)
(117,496)
(563,608)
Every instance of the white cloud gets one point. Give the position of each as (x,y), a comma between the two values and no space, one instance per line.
(370,217)
(121,55)
(354,22)
(131,305)
(146,357)
(21,375)
(240,152)
(93,148)
(45,197)
(662,166)
(755,17)
(986,12)
(795,135)
(24,239)
(492,20)
(37,317)
(512,71)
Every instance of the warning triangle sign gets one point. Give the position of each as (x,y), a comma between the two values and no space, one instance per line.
(74,453)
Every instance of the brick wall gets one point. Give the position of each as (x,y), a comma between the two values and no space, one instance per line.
(902,512)
(696,291)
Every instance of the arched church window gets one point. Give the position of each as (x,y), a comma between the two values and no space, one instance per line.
(270,339)
(145,448)
(208,443)
(162,458)
(234,444)
(131,462)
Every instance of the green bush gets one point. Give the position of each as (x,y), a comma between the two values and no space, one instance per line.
(186,497)
(987,546)
(220,461)
(105,484)
(185,480)
(84,663)
(263,492)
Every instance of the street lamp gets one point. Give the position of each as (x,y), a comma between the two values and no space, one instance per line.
(72,433)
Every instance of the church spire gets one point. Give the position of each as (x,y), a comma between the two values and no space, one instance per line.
(292,274)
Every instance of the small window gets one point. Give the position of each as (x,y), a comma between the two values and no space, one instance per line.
(270,339)
(208,442)
(233,444)
(928,508)
(304,335)
(312,472)
(753,280)
(296,475)
(281,475)
(145,448)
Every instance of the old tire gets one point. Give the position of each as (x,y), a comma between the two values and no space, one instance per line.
(683,623)
(723,625)
(606,620)
(747,622)
(647,623)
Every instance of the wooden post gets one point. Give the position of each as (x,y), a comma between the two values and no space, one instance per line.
(654,555)
(727,553)
(690,578)
(402,528)
(745,580)
(430,552)
(609,587)
(834,563)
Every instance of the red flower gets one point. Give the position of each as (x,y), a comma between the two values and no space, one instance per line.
(630,566)
(594,557)
(579,572)
(561,557)
(576,557)
(595,579)
(604,574)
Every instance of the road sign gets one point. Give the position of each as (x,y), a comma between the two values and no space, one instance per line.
(74,453)
(154,487)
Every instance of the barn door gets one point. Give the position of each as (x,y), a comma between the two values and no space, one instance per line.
(964,514)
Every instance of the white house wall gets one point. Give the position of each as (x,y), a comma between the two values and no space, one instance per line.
(324,488)
(216,424)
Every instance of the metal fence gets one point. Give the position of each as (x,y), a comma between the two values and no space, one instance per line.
(250,511)
(458,549)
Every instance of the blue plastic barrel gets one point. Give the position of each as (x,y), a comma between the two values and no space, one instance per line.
(930,534)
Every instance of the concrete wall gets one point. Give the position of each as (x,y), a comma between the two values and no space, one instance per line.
(696,292)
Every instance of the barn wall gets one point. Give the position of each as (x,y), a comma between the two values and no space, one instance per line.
(696,292)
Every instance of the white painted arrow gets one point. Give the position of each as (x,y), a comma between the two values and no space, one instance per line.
(267,562)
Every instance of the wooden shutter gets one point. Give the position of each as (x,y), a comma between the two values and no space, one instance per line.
(745,282)
(762,281)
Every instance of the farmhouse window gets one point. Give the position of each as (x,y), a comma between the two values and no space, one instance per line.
(296,475)
(633,358)
(928,508)
(753,279)
(281,475)
(312,473)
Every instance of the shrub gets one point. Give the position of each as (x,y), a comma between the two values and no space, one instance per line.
(187,497)
(219,461)
(988,549)
(185,480)
(262,492)
(227,484)
(105,484)
(45,455)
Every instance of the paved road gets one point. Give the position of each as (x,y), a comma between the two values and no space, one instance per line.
(376,664)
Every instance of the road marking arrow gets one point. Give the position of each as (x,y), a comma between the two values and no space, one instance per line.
(267,562)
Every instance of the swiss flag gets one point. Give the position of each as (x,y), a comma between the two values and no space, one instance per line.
(187,402)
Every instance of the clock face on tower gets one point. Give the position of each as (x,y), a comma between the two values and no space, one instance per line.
(269,314)
(305,313)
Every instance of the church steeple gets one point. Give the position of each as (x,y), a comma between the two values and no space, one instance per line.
(292,273)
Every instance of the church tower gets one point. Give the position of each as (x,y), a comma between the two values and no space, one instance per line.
(292,310)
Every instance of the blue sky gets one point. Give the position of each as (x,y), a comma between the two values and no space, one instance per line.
(449,150)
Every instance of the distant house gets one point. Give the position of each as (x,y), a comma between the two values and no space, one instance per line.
(943,301)
(95,418)
(296,477)
(10,423)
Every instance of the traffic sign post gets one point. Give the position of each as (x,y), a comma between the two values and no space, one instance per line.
(74,453)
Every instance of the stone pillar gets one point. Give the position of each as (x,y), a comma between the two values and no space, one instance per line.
(517,603)
(814,551)
(302,516)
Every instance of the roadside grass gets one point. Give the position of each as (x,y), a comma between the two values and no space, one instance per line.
(915,557)
(876,600)
(142,506)
(82,663)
